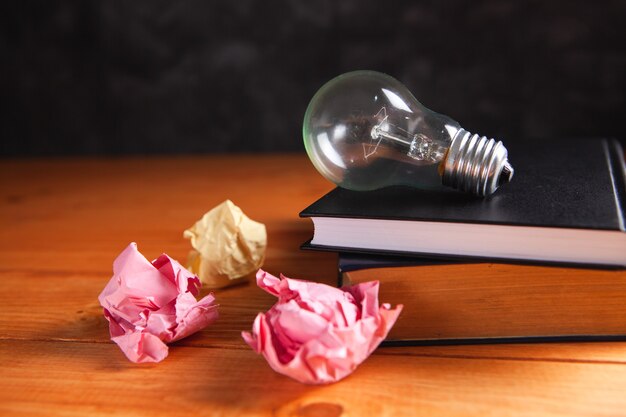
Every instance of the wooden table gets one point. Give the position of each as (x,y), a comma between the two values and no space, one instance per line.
(65,220)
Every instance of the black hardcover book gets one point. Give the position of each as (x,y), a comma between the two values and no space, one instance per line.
(565,205)
(350,261)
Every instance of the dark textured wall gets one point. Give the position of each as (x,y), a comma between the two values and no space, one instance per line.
(112,77)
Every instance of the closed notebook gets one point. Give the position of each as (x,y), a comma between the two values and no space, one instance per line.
(565,206)
(458,303)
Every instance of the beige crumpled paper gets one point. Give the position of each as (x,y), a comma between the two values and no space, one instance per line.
(228,247)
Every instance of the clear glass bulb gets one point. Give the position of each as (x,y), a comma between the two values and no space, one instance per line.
(364,130)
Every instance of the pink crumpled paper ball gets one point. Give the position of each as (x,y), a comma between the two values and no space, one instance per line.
(316,333)
(151,304)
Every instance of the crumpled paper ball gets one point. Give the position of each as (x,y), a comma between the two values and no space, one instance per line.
(227,246)
(151,304)
(316,333)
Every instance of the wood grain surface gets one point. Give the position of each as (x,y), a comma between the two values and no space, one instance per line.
(65,220)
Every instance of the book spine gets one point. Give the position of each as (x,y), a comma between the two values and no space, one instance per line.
(617,170)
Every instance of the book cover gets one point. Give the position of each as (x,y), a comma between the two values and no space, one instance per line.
(570,190)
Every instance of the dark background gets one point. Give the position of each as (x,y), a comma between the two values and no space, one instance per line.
(142,77)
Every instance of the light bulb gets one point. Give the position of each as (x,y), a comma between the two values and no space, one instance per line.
(364,130)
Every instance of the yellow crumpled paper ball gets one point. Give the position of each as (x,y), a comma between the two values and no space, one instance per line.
(228,247)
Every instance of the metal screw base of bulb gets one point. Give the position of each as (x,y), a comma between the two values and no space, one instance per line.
(476,164)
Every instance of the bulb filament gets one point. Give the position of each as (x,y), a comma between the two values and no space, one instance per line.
(421,148)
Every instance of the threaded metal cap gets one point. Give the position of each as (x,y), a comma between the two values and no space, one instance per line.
(476,164)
